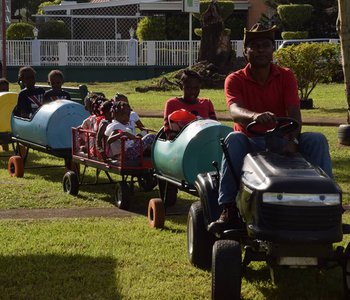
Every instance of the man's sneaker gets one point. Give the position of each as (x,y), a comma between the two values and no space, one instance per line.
(229,219)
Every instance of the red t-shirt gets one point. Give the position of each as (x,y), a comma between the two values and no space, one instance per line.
(278,94)
(202,107)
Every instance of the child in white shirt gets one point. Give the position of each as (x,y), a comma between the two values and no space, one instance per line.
(120,128)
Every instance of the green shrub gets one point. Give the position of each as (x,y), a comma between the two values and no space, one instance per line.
(54,29)
(47,3)
(151,28)
(294,35)
(225,7)
(19,31)
(311,63)
(294,16)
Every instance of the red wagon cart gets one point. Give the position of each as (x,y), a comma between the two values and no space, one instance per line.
(140,170)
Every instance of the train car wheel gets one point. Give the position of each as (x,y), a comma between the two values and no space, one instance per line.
(156,213)
(71,183)
(16,166)
(122,195)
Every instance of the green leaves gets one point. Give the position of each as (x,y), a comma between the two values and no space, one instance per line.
(311,63)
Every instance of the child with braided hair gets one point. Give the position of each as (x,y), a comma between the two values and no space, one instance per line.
(119,128)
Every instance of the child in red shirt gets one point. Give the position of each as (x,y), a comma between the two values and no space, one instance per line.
(200,107)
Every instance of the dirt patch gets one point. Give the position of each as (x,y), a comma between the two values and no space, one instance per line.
(53,213)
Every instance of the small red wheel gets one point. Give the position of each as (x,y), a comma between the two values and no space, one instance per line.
(156,213)
(15,166)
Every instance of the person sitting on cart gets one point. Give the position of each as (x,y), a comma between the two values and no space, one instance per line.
(119,129)
(56,80)
(261,92)
(134,121)
(90,125)
(30,98)
(102,122)
(4,85)
(200,107)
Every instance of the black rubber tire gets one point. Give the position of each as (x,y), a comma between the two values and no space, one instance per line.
(70,183)
(226,270)
(167,192)
(199,241)
(156,213)
(15,166)
(147,182)
(122,195)
(344,134)
(346,272)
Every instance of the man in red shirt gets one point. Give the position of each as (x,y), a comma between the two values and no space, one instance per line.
(261,92)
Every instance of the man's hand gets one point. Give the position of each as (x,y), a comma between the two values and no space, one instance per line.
(265,117)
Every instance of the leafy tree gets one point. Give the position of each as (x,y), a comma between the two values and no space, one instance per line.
(323,19)
(46,3)
(31,7)
(294,16)
(151,28)
(311,63)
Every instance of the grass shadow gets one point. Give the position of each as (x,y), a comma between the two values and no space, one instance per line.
(301,284)
(58,277)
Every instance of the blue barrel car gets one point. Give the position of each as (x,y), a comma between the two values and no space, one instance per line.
(49,131)
(177,162)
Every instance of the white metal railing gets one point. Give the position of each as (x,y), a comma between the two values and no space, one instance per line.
(105,52)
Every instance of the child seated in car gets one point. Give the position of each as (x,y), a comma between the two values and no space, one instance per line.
(102,122)
(56,80)
(134,121)
(119,129)
(199,107)
(90,124)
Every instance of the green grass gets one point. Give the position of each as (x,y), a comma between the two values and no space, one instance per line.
(124,259)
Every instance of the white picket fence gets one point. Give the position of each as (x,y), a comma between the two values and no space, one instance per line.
(104,52)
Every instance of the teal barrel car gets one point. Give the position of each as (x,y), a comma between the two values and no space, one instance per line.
(177,162)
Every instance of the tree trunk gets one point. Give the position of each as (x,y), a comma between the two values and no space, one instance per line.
(215,44)
(343,28)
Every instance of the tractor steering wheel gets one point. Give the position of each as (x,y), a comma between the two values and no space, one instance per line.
(283,126)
